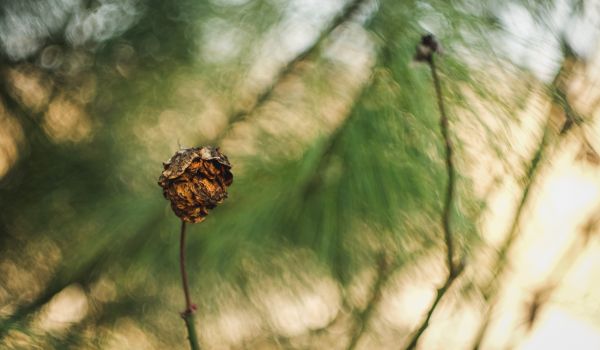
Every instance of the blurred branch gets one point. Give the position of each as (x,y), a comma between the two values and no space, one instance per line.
(383,272)
(439,295)
(425,53)
(336,135)
(343,16)
(490,288)
(383,266)
(103,315)
(83,274)
(560,105)
(328,149)
(55,286)
(20,111)
(560,270)
(558,92)
(444,126)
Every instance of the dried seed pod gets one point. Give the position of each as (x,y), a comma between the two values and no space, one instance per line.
(196,180)
(426,48)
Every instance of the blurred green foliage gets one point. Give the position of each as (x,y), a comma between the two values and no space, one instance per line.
(339,161)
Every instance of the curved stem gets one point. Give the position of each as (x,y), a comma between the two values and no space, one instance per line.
(184,278)
(454,269)
(444,126)
(440,294)
(188,313)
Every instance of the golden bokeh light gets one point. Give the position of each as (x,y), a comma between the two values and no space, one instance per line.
(66,121)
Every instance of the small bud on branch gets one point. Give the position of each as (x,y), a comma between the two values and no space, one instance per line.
(426,48)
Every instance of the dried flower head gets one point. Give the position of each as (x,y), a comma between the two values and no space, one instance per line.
(426,48)
(196,180)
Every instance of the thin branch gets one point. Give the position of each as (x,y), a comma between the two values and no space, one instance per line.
(558,96)
(454,269)
(490,288)
(444,126)
(188,313)
(440,294)
(184,277)
(383,272)
(343,16)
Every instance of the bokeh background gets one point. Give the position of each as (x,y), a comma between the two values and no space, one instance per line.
(332,234)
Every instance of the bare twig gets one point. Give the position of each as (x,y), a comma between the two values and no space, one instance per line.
(425,53)
(440,294)
(444,126)
(188,313)
(184,277)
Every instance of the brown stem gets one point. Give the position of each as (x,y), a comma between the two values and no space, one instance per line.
(454,269)
(184,278)
(440,293)
(444,127)
(188,313)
